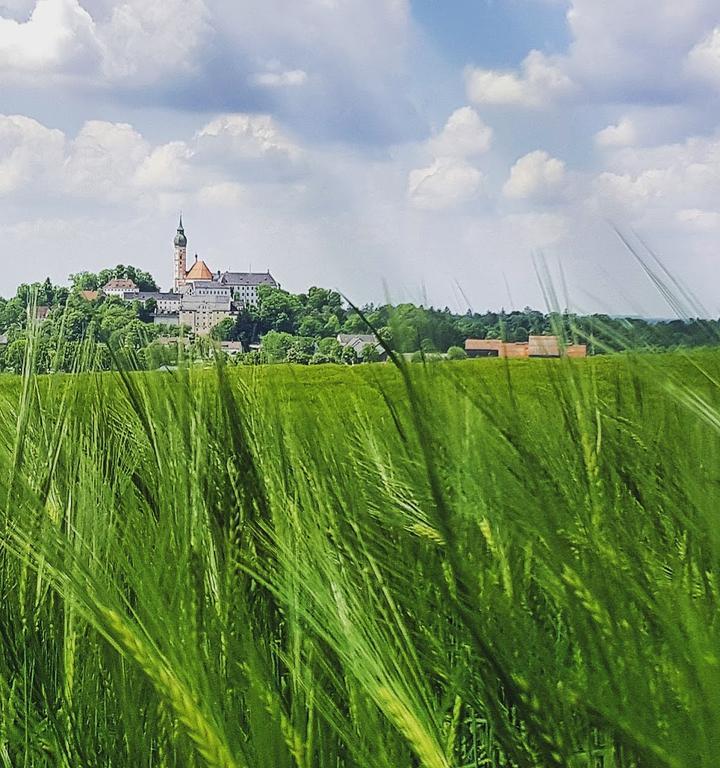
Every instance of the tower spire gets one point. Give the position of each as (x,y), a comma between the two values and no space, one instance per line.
(179,259)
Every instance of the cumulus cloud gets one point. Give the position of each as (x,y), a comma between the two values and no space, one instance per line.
(212,56)
(704,59)
(59,36)
(536,176)
(630,51)
(128,41)
(167,167)
(101,159)
(621,135)
(112,162)
(144,41)
(30,154)
(464,135)
(252,146)
(672,182)
(446,183)
(540,81)
(643,51)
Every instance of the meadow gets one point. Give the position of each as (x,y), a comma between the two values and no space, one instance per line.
(483,563)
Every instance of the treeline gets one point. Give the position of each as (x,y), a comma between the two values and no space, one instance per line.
(301,328)
(298,323)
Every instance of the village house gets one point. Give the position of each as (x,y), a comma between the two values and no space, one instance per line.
(358,342)
(119,286)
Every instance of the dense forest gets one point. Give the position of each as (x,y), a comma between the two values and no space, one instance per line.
(299,328)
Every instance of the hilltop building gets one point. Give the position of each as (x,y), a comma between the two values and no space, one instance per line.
(200,298)
(243,286)
(206,297)
(119,286)
(535,346)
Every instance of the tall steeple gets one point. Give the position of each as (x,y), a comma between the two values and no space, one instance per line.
(180,257)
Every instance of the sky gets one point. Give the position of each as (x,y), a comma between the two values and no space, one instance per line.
(434,151)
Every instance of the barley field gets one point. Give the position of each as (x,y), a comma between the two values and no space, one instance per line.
(456,565)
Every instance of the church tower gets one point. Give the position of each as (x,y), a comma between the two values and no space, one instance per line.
(180,258)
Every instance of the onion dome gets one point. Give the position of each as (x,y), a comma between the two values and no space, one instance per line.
(180,239)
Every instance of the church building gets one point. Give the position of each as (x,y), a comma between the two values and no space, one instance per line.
(200,298)
(199,278)
(206,298)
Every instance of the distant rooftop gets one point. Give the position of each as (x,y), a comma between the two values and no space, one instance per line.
(145,295)
(120,284)
(246,278)
(199,271)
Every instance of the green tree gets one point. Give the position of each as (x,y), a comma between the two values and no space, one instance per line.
(349,355)
(456,353)
(84,281)
(275,345)
(330,348)
(277,310)
(223,331)
(370,354)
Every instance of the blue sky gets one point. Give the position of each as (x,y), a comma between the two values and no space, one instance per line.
(491,33)
(425,148)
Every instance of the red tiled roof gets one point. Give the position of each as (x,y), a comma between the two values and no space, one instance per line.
(199,271)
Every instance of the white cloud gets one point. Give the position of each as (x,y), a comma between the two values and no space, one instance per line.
(30,154)
(248,136)
(673,182)
(167,167)
(103,159)
(131,40)
(112,162)
(144,41)
(621,135)
(446,183)
(464,135)
(704,59)
(536,176)
(59,35)
(284,79)
(540,82)
(623,49)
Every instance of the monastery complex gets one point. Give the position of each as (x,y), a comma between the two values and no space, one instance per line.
(199,298)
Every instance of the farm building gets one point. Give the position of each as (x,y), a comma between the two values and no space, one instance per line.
(535,346)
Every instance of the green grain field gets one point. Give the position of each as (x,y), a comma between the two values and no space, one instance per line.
(447,565)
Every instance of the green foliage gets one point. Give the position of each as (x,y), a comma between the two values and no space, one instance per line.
(348,355)
(90,281)
(275,345)
(308,325)
(456,353)
(224,330)
(370,354)
(72,321)
(505,564)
